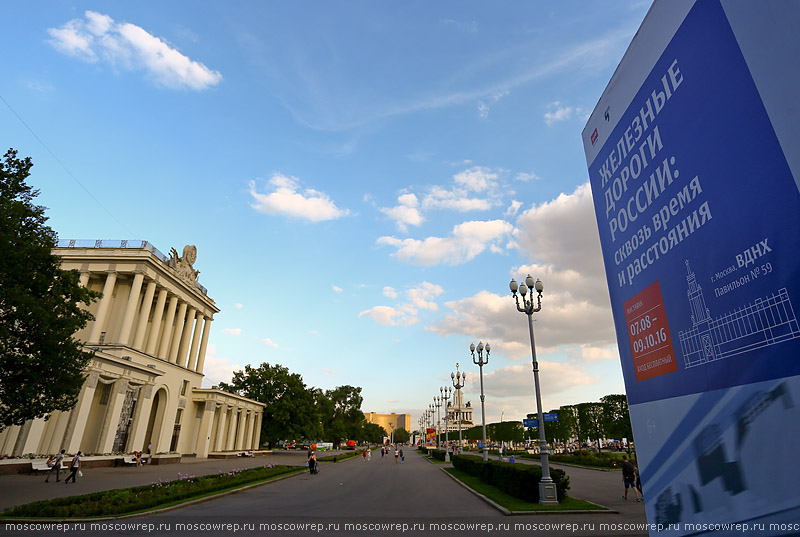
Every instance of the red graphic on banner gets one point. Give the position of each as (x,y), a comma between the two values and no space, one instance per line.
(648,332)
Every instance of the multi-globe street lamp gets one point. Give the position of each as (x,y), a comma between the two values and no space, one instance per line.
(458,379)
(480,362)
(547,487)
(445,391)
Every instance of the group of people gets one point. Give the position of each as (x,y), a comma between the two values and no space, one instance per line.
(398,453)
(54,463)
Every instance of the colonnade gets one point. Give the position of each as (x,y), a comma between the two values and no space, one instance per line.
(174,334)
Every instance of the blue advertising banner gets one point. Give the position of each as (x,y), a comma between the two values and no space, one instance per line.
(698,212)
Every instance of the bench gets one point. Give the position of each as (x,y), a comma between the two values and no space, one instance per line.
(130,459)
(41,465)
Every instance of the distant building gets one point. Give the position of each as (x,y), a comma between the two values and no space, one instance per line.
(149,341)
(389,422)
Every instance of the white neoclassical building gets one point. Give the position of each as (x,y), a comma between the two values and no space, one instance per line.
(149,341)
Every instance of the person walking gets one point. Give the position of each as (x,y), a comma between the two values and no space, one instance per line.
(364,455)
(402,457)
(629,478)
(312,463)
(369,454)
(56,466)
(74,467)
(396,454)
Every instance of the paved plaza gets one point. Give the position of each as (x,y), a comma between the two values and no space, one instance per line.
(353,497)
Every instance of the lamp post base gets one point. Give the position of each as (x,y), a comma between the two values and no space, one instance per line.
(447,455)
(547,493)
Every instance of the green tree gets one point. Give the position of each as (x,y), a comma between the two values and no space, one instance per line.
(41,307)
(506,431)
(616,418)
(372,433)
(345,419)
(401,435)
(591,420)
(570,425)
(290,412)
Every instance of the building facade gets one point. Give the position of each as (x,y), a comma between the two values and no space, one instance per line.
(389,422)
(143,386)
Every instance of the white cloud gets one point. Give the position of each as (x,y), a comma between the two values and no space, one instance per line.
(127,46)
(233,331)
(527,176)
(483,106)
(405,314)
(329,372)
(239,306)
(336,289)
(217,369)
(405,213)
(557,112)
(513,209)
(478,179)
(389,292)
(287,197)
(267,341)
(561,236)
(467,241)
(389,316)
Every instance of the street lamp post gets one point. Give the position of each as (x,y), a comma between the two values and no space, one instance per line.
(445,396)
(480,362)
(458,379)
(438,402)
(547,487)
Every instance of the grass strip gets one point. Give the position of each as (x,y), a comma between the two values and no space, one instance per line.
(515,504)
(158,495)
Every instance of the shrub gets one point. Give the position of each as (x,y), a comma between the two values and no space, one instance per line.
(518,480)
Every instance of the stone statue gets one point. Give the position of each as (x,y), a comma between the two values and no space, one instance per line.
(183,265)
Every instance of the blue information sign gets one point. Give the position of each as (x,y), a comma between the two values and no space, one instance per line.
(698,211)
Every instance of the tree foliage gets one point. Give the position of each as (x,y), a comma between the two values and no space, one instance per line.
(401,435)
(41,307)
(294,411)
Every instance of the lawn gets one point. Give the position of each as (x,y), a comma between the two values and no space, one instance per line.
(515,504)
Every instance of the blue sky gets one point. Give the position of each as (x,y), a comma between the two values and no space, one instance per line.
(361,179)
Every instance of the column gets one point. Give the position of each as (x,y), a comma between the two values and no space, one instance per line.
(111,421)
(204,430)
(163,349)
(201,355)
(230,438)
(251,422)
(180,321)
(187,333)
(9,436)
(83,280)
(102,308)
(144,314)
(219,444)
(195,342)
(130,309)
(34,438)
(57,436)
(240,429)
(143,407)
(73,434)
(155,328)
(257,434)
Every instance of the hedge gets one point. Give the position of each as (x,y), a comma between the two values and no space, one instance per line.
(584,458)
(518,480)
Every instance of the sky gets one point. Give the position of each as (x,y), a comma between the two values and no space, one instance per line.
(361,179)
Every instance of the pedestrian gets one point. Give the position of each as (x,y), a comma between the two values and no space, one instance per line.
(364,455)
(149,447)
(312,463)
(402,457)
(75,467)
(629,478)
(383,451)
(369,454)
(396,454)
(54,463)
